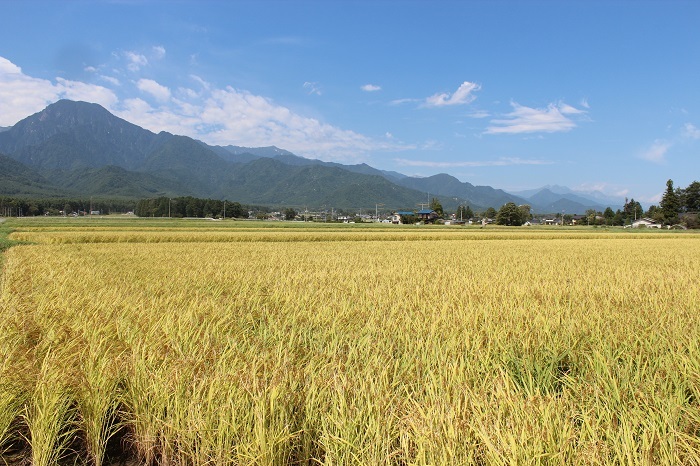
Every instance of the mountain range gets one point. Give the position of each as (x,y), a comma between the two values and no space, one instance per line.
(78,149)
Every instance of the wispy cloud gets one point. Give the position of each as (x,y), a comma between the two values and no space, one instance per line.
(110,79)
(553,119)
(462,96)
(135,61)
(690,131)
(371,88)
(158,52)
(657,151)
(606,188)
(403,101)
(501,162)
(479,114)
(312,88)
(160,92)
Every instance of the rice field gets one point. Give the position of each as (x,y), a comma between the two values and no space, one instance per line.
(235,343)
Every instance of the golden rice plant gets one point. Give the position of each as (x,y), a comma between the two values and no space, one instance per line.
(367,346)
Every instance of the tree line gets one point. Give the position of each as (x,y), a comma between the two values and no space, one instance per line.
(28,207)
(180,207)
(677,206)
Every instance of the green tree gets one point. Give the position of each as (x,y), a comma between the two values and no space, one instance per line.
(691,197)
(464,212)
(236,210)
(509,214)
(632,211)
(437,207)
(608,215)
(290,214)
(525,214)
(490,213)
(670,204)
(408,219)
(590,216)
(655,213)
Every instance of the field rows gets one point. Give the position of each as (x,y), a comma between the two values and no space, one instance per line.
(302,347)
(77,235)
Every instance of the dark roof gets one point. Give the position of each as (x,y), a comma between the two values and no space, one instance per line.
(426,212)
(404,212)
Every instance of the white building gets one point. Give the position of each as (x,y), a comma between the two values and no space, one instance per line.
(645,223)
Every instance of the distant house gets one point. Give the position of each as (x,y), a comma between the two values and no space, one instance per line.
(532,221)
(396,216)
(645,223)
(427,215)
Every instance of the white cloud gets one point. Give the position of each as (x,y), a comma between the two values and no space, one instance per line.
(463,95)
(569,110)
(479,114)
(654,199)
(135,61)
(158,52)
(216,116)
(657,152)
(76,90)
(161,93)
(371,88)
(608,189)
(523,119)
(233,116)
(312,88)
(112,80)
(501,162)
(205,85)
(22,95)
(403,101)
(690,131)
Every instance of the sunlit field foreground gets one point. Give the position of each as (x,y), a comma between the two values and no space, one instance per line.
(223,344)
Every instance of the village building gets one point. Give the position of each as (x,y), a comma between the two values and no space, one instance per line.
(646,223)
(396,216)
(427,215)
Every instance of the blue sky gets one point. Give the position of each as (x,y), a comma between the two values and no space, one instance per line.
(588,94)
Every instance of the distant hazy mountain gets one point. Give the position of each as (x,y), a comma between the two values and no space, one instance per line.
(4,128)
(550,194)
(465,193)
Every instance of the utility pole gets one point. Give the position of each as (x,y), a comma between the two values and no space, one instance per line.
(376,211)
(224,209)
